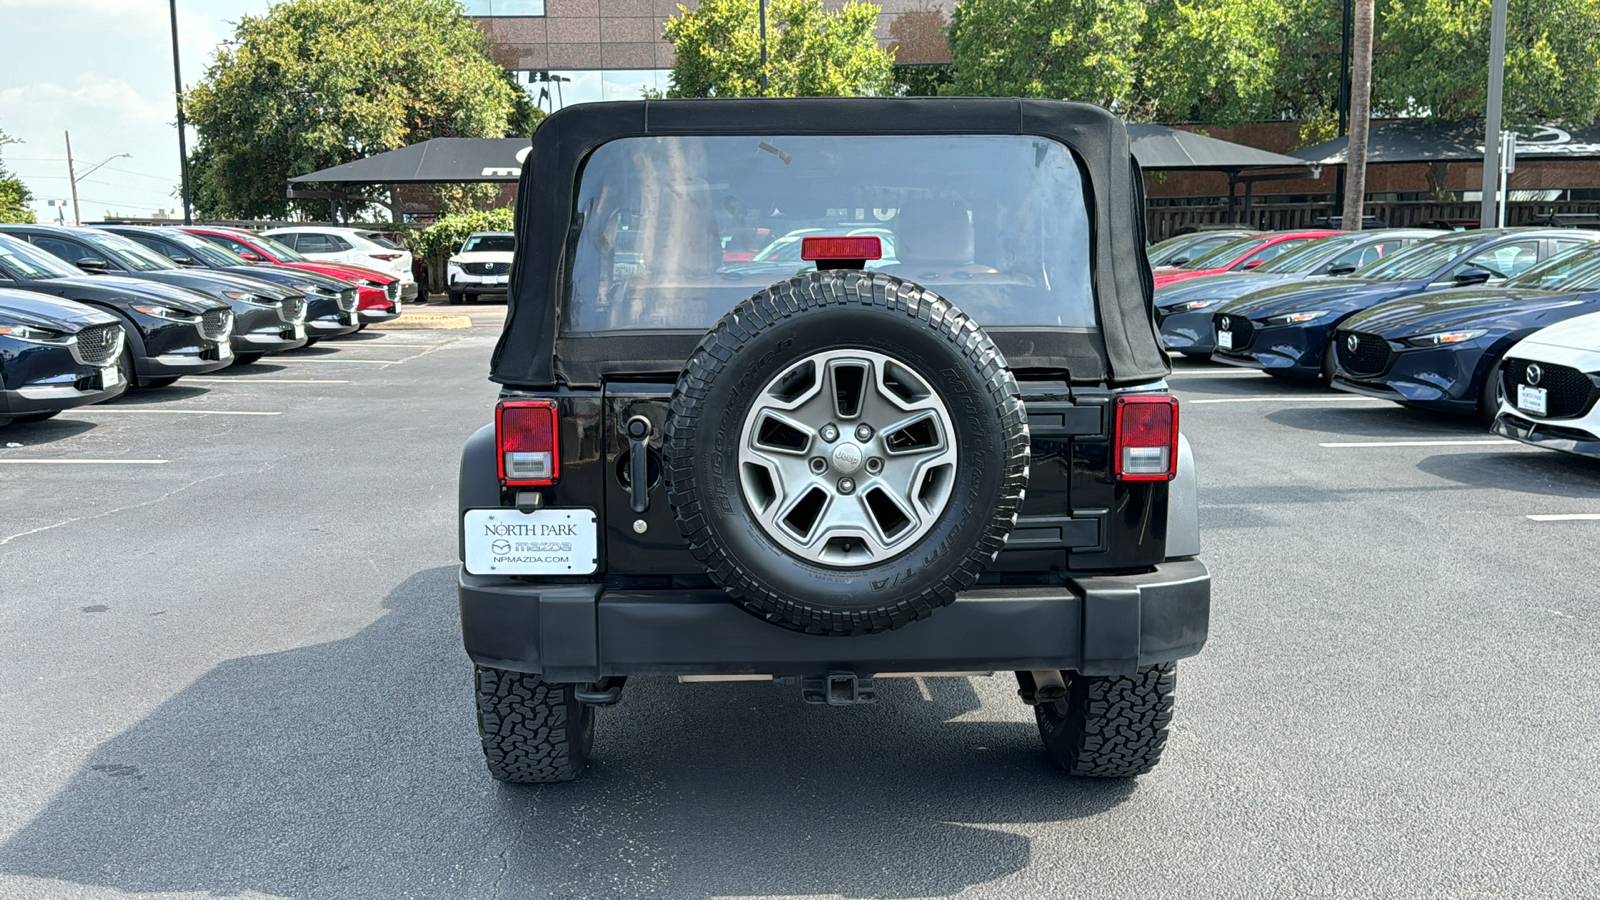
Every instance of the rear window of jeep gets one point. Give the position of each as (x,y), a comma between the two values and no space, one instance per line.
(671,232)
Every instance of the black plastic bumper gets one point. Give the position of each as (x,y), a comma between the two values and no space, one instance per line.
(1101,625)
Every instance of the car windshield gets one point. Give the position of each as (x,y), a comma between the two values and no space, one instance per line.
(489,243)
(132,254)
(998,224)
(1224,254)
(27,261)
(1189,246)
(277,250)
(1575,270)
(200,249)
(1307,257)
(1419,260)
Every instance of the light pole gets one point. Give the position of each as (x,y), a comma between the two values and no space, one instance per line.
(177,91)
(73,177)
(1490,213)
(762,5)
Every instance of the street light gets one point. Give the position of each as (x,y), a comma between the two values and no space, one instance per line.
(74,178)
(177,92)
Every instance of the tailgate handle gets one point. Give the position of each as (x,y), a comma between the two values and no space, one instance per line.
(638,430)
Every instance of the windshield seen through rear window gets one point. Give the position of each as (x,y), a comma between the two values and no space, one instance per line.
(489,243)
(672,232)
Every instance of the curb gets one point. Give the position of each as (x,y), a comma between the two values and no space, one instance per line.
(424,321)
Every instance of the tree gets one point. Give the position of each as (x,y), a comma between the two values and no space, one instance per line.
(1434,60)
(315,83)
(14,195)
(1063,49)
(1214,61)
(1355,153)
(810,52)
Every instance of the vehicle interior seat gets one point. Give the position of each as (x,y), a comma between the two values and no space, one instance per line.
(934,241)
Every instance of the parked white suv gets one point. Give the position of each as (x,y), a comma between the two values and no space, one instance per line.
(483,266)
(355,246)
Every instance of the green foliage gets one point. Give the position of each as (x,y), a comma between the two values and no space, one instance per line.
(810,52)
(1432,59)
(315,83)
(14,195)
(1064,49)
(920,81)
(444,237)
(1211,60)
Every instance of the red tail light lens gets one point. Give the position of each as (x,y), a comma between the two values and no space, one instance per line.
(386,257)
(528,436)
(1145,439)
(815,248)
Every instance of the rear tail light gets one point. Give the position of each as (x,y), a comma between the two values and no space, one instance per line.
(386,257)
(527,434)
(1145,439)
(840,248)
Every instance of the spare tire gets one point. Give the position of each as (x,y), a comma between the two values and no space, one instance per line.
(845,452)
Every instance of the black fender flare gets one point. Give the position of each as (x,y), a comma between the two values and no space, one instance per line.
(479,483)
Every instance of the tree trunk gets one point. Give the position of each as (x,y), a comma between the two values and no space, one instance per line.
(1355,183)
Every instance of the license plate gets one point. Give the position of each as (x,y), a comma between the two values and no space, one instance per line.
(1225,340)
(224,350)
(397,307)
(498,279)
(110,377)
(543,542)
(299,332)
(1532,399)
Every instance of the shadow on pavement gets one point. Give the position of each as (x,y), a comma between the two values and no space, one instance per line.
(1555,474)
(351,769)
(172,393)
(1366,421)
(37,434)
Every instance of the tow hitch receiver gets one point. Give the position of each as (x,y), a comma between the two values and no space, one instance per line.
(838,689)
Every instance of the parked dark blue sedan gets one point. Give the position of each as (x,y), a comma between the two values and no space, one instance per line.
(1286,330)
(1184,309)
(1443,350)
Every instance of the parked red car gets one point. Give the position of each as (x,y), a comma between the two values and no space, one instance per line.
(1238,255)
(378,298)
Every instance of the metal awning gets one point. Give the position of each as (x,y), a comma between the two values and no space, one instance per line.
(1418,141)
(1160,147)
(439,161)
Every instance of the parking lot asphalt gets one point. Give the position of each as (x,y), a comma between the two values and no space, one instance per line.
(232,668)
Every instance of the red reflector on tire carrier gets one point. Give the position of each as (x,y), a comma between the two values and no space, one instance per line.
(527,435)
(828,248)
(1144,441)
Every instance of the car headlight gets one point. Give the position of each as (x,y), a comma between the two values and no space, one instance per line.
(1297,318)
(30,333)
(247,297)
(167,312)
(368,282)
(313,290)
(1193,305)
(1446,337)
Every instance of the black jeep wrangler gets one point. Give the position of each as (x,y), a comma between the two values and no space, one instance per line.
(921,428)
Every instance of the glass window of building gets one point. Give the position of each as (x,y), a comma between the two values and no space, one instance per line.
(492,8)
(556,89)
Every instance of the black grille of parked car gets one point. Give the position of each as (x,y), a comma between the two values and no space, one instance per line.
(1362,354)
(485,268)
(216,323)
(97,344)
(392,291)
(1243,332)
(1569,392)
(347,300)
(292,310)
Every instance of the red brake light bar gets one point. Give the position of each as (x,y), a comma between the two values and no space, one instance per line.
(527,435)
(1144,440)
(840,248)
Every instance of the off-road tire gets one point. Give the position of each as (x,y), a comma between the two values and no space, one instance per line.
(533,732)
(756,341)
(1109,726)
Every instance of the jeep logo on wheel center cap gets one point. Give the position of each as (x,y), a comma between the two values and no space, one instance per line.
(847,458)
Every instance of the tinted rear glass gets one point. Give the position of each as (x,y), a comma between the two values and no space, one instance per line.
(664,225)
(489,243)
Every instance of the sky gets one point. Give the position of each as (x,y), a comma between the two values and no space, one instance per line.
(102,69)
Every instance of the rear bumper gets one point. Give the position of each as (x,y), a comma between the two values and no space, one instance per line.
(1098,625)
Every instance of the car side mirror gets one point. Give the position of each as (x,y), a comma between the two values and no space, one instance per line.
(247,256)
(1472,276)
(1253,263)
(185,261)
(1177,261)
(1342,269)
(90,264)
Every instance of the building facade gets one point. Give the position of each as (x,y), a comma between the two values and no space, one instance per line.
(579,51)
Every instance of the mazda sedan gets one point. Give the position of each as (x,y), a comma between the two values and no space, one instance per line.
(55,355)
(1550,395)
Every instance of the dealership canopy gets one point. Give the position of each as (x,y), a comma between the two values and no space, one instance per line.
(441,160)
(1417,141)
(1160,147)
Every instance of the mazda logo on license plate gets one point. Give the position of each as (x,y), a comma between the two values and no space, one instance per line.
(1535,374)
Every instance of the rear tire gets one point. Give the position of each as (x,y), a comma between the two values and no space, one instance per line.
(533,732)
(1109,726)
(455,298)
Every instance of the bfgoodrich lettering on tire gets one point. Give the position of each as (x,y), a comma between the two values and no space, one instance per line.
(845,452)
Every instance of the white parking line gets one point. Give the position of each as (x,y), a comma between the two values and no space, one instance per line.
(262,381)
(340,362)
(1288,400)
(82,462)
(1568,517)
(170,412)
(1416,443)
(1225,373)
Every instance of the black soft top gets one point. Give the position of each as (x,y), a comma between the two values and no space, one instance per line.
(532,352)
